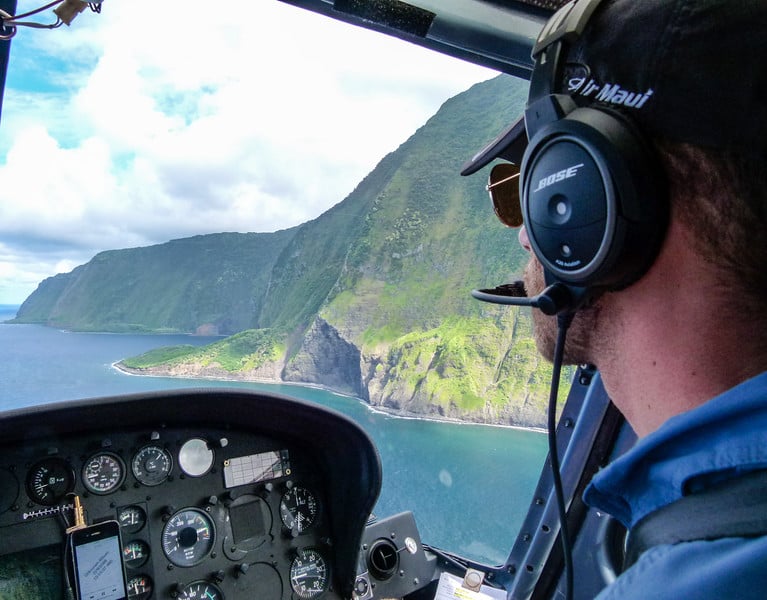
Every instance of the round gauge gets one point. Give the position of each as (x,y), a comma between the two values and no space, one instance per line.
(188,537)
(151,465)
(309,576)
(131,518)
(135,553)
(103,473)
(298,509)
(200,590)
(195,457)
(49,480)
(140,587)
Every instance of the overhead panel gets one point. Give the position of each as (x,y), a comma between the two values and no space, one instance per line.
(491,33)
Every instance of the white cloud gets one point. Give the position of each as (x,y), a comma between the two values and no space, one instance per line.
(148,126)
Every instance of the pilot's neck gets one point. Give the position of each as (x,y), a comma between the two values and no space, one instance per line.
(676,341)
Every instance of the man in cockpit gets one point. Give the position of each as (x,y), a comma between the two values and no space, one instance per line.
(681,343)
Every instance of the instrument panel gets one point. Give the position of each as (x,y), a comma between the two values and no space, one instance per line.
(219,494)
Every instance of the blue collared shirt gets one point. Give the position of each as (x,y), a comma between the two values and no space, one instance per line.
(725,436)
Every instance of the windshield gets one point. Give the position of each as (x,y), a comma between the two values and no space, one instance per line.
(260,197)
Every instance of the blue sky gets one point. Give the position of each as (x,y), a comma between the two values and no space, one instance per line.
(133,128)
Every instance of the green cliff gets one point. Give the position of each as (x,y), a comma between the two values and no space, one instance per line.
(211,283)
(371,298)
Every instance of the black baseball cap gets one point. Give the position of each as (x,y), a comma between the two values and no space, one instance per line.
(684,70)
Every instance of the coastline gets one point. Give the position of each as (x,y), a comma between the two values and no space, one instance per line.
(390,412)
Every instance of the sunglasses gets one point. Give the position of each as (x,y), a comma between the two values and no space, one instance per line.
(503,186)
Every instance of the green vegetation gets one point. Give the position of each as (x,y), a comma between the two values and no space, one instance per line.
(476,366)
(244,351)
(166,355)
(382,279)
(214,281)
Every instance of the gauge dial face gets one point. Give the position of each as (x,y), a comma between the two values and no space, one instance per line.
(140,588)
(103,473)
(132,518)
(135,553)
(188,537)
(298,509)
(309,574)
(49,480)
(151,465)
(200,590)
(195,457)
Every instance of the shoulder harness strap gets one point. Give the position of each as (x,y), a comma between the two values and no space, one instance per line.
(735,508)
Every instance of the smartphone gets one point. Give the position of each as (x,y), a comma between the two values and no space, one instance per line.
(98,565)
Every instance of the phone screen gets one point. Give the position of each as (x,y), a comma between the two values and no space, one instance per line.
(98,561)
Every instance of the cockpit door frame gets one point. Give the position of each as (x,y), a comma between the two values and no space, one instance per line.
(588,430)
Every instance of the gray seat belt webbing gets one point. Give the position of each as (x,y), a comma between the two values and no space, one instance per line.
(735,508)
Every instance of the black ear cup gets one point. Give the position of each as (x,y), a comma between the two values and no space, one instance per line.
(593,200)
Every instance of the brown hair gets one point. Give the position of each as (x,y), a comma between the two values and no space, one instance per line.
(722,199)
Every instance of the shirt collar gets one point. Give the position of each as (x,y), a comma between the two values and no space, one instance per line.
(727,432)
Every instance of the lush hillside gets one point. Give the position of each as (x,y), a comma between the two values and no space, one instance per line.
(212,283)
(371,298)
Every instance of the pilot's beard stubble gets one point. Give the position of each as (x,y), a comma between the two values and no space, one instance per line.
(579,344)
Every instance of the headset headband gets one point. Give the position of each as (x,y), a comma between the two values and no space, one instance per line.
(565,27)
(591,193)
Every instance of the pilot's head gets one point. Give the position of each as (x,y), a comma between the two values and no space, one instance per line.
(645,134)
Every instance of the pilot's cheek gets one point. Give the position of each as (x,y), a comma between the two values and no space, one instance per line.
(524,241)
(533,274)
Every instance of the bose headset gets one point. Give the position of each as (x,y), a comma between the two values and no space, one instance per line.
(593,196)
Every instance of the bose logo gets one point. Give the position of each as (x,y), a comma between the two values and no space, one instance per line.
(558,176)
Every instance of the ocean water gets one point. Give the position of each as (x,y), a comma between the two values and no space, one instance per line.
(469,486)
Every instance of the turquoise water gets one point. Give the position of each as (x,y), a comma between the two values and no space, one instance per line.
(469,486)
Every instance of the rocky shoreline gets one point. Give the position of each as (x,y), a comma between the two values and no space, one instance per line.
(271,376)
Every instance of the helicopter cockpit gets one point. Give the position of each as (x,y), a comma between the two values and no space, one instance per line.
(264,496)
(226,494)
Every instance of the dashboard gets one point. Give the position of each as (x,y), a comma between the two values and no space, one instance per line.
(232,495)
(219,494)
